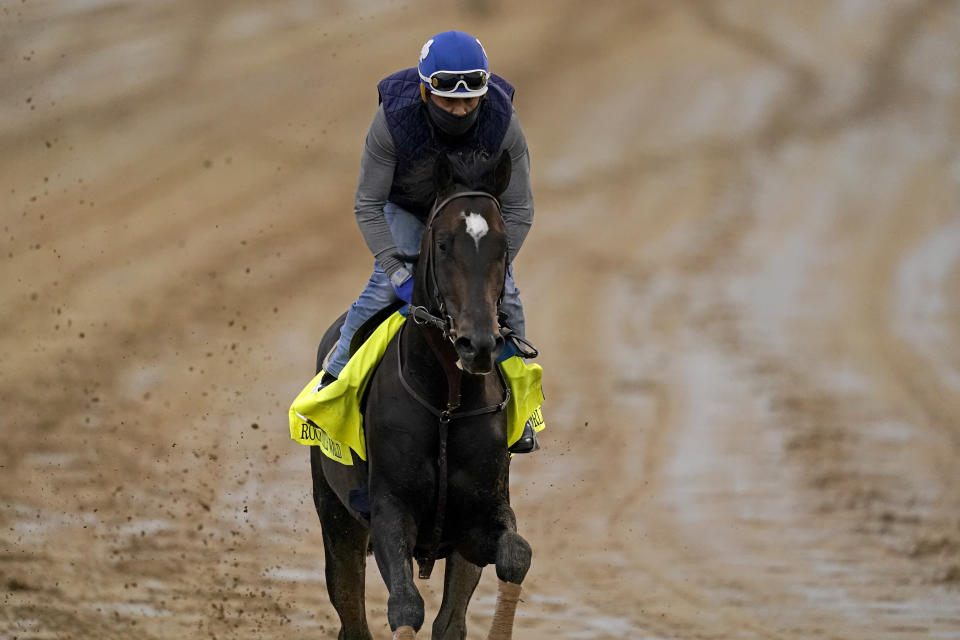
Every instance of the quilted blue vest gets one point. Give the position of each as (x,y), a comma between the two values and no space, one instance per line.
(417,141)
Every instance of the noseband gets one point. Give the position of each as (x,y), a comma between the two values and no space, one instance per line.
(422,315)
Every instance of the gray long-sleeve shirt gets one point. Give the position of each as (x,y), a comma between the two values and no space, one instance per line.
(377,166)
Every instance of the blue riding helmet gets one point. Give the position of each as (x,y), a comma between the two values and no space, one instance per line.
(453,64)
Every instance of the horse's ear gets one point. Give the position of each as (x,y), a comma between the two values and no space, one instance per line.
(499,177)
(442,173)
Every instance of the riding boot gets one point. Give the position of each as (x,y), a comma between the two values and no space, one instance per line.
(528,440)
(326,379)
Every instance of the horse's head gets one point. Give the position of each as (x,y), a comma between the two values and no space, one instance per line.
(464,256)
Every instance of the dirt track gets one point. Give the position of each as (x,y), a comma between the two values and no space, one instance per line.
(744,277)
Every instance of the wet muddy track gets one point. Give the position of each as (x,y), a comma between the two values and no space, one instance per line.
(743,277)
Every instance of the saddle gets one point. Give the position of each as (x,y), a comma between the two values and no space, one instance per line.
(331,417)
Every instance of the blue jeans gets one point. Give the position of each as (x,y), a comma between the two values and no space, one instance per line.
(407,231)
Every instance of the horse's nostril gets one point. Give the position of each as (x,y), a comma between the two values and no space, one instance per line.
(465,345)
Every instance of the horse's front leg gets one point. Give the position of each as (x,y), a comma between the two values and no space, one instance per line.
(499,543)
(460,578)
(513,561)
(394,536)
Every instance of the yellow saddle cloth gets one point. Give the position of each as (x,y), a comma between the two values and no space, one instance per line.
(330,417)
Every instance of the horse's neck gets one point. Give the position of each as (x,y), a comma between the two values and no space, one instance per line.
(422,363)
(427,360)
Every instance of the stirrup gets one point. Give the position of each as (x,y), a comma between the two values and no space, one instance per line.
(524,349)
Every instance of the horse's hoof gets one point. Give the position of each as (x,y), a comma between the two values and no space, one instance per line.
(404,633)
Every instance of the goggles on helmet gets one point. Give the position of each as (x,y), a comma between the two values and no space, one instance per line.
(450,80)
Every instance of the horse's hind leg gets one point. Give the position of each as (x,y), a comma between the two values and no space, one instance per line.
(460,578)
(345,546)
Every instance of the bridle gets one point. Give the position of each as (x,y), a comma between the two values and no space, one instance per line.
(442,342)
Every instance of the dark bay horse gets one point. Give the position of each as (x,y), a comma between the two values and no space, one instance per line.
(436,480)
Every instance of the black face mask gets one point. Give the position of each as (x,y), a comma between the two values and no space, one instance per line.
(451,125)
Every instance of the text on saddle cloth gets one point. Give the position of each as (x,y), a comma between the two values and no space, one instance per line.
(330,418)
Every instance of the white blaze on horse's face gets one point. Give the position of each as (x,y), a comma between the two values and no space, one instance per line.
(476,226)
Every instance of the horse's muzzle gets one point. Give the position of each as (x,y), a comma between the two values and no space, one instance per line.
(478,353)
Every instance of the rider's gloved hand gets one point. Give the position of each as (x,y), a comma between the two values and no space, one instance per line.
(402,282)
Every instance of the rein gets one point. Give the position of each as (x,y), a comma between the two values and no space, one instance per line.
(450,412)
(441,344)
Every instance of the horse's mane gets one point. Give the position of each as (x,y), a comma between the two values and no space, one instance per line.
(472,170)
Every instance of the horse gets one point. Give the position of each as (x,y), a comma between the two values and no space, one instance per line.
(436,480)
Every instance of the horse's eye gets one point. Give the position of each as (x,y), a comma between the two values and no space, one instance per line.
(442,246)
